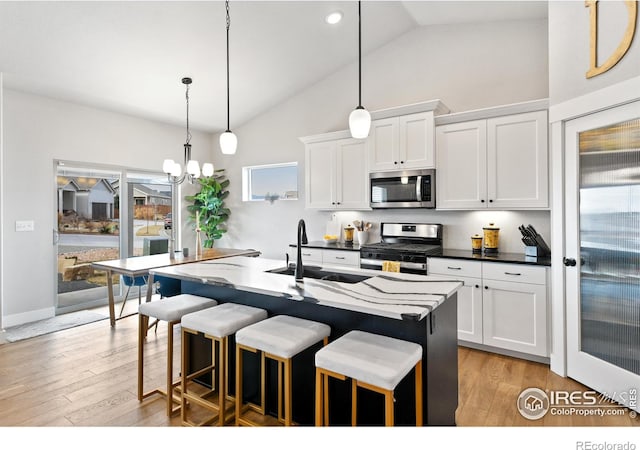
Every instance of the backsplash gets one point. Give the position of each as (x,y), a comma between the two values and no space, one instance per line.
(458,226)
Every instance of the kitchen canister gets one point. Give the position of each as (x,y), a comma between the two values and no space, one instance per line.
(363,236)
(491,235)
(476,243)
(348,234)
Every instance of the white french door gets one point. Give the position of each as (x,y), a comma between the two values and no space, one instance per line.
(602,175)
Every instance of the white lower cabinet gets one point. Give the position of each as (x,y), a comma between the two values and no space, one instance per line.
(504,307)
(321,257)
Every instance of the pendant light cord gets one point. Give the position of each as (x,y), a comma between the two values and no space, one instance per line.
(359,60)
(228,23)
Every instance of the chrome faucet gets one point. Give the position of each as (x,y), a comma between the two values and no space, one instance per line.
(302,239)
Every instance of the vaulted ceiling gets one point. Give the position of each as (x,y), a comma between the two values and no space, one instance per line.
(129,56)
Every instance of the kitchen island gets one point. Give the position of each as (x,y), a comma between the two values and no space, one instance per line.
(417,308)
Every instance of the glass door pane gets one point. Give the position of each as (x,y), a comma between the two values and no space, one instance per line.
(609,218)
(88,230)
(150,215)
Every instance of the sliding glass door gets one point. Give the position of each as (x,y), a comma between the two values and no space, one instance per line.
(88,230)
(105,213)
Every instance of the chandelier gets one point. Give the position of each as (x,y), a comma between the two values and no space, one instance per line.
(174,170)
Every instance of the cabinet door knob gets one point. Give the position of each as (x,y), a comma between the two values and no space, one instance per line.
(333,203)
(490,201)
(486,287)
(477,286)
(482,200)
(401,162)
(338,203)
(395,162)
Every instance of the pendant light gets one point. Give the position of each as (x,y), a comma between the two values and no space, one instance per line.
(359,119)
(228,140)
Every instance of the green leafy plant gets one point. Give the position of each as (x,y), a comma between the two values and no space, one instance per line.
(209,203)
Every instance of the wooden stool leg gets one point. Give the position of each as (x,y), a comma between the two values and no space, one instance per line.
(419,418)
(388,409)
(287,393)
(280,411)
(184,363)
(141,336)
(169,368)
(319,397)
(354,403)
(222,378)
(238,383)
(325,399)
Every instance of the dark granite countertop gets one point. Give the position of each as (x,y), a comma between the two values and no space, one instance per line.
(513,258)
(501,257)
(337,246)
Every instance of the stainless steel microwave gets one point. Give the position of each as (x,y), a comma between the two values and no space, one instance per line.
(403,189)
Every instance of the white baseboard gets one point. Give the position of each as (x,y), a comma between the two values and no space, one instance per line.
(26,317)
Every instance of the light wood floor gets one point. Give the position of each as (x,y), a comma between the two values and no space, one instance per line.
(86,376)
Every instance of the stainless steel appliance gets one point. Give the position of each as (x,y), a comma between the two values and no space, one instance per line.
(403,189)
(407,243)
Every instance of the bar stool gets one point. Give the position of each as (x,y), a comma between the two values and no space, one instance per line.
(171,310)
(373,362)
(279,338)
(217,324)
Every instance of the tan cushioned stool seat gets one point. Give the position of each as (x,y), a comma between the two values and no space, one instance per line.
(222,320)
(283,336)
(173,308)
(374,359)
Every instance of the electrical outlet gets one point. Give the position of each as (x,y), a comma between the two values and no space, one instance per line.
(25,225)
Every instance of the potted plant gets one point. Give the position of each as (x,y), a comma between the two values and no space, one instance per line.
(209,204)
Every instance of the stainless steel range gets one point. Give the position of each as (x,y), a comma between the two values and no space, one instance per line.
(407,243)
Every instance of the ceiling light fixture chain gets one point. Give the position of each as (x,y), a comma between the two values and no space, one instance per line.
(186,95)
(228,140)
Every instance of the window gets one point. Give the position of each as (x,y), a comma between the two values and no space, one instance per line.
(270,182)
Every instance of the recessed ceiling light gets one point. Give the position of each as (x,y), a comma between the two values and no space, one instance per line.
(333,18)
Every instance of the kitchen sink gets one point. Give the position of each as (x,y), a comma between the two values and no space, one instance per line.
(319,274)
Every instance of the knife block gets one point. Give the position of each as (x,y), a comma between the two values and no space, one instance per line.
(534,250)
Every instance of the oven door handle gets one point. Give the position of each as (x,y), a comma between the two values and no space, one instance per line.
(419,188)
(403,264)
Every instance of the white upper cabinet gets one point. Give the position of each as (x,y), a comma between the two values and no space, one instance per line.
(336,175)
(461,177)
(403,142)
(499,163)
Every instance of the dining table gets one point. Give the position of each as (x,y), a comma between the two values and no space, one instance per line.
(137,266)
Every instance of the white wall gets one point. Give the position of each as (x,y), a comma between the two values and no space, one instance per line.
(569,33)
(466,66)
(38,130)
(1,193)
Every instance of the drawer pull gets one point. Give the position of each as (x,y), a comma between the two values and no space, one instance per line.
(340,257)
(454,268)
(512,273)
(306,254)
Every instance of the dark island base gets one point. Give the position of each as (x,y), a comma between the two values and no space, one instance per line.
(437,335)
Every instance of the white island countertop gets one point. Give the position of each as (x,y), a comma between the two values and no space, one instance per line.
(394,295)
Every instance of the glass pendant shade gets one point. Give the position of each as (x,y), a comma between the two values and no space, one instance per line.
(359,123)
(228,143)
(193,168)
(167,165)
(176,170)
(207,169)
